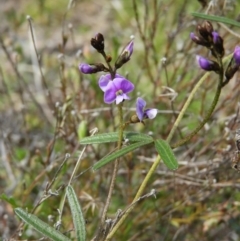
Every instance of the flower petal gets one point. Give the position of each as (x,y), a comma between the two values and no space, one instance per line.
(119,99)
(105,79)
(127,86)
(123,84)
(110,93)
(103,82)
(151,113)
(140,104)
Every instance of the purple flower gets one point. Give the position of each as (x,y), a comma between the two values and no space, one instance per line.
(207,64)
(117,89)
(236,55)
(105,79)
(144,114)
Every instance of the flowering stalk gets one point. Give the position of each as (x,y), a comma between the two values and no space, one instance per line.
(158,159)
(115,88)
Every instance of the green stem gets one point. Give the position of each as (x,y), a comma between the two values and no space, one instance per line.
(205,120)
(116,163)
(209,112)
(158,159)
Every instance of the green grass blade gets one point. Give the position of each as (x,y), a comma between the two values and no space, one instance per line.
(77,215)
(217,19)
(119,153)
(40,226)
(113,137)
(166,153)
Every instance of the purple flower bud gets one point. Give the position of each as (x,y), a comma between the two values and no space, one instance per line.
(236,55)
(87,69)
(125,55)
(192,36)
(91,68)
(144,114)
(198,40)
(217,44)
(207,64)
(216,37)
(129,49)
(233,65)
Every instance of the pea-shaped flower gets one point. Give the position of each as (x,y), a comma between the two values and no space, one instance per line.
(116,89)
(144,113)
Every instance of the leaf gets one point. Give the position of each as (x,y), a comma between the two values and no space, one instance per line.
(135,136)
(10,200)
(216,19)
(119,153)
(77,215)
(100,138)
(40,226)
(166,153)
(113,137)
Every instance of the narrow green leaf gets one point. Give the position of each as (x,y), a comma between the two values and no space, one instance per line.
(217,19)
(77,215)
(10,200)
(119,153)
(40,226)
(100,138)
(166,153)
(135,137)
(113,137)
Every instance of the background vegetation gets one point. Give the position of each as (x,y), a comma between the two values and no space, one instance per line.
(47,106)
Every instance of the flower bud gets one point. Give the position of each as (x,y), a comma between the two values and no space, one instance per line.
(234,64)
(98,42)
(125,55)
(218,44)
(91,68)
(207,64)
(208,26)
(204,32)
(236,55)
(199,40)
